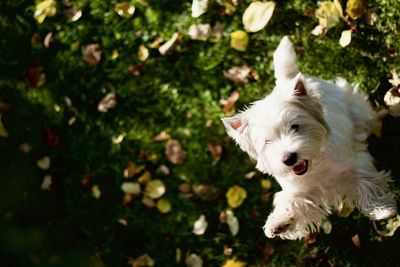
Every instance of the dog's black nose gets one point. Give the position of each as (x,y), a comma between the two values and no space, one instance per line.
(290,159)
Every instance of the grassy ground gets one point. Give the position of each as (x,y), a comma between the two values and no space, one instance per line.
(49,97)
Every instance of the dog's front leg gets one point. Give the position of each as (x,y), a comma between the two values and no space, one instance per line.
(295,216)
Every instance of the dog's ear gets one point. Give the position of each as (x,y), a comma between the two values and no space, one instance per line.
(285,61)
(237,127)
(299,88)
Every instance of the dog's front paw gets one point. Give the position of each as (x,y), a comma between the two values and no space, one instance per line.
(274,227)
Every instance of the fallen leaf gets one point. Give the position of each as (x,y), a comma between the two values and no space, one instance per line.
(91,54)
(194,260)
(148,202)
(44,163)
(372,15)
(356,241)
(73,14)
(162,169)
(174,152)
(392,100)
(96,193)
(36,39)
(46,183)
(142,261)
(156,42)
(239,40)
(162,136)
(128,199)
(327,14)
(169,45)
(35,74)
(48,39)
(123,222)
(163,205)
(108,102)
(390,227)
(345,209)
(206,192)
(44,9)
(118,139)
(250,175)
(155,189)
(24,147)
(124,9)
(395,81)
(311,239)
(345,38)
(229,103)
(136,69)
(200,32)
(200,226)
(327,227)
(131,169)
(217,32)
(144,178)
(3,130)
(318,30)
(216,151)
(266,184)
(199,7)
(235,196)
(185,188)
(143,53)
(234,263)
(232,222)
(356,8)
(228,251)
(131,188)
(242,74)
(257,15)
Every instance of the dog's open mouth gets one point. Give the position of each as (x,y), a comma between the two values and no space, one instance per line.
(301,167)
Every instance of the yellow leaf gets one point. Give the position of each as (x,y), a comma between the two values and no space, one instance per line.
(163,205)
(3,131)
(155,189)
(131,188)
(96,193)
(345,38)
(44,9)
(124,9)
(328,14)
(234,263)
(356,8)
(257,15)
(239,40)
(266,184)
(44,163)
(338,6)
(235,196)
(143,53)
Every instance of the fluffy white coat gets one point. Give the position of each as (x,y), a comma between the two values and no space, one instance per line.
(310,135)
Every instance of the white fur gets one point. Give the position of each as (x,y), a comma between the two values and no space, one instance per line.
(334,121)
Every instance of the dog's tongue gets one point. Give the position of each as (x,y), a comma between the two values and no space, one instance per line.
(300,168)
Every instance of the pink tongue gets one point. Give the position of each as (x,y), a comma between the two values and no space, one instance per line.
(299,168)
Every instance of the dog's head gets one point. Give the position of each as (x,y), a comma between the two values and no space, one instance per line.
(285,131)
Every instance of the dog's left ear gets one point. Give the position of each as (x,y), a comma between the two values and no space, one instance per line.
(299,88)
(237,127)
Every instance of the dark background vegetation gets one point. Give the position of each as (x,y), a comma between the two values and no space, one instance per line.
(176,93)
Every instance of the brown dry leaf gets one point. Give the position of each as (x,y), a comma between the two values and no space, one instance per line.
(174,152)
(356,241)
(73,14)
(144,178)
(228,251)
(46,183)
(142,261)
(136,69)
(36,39)
(372,15)
(242,74)
(206,192)
(24,147)
(216,151)
(311,239)
(229,103)
(131,169)
(91,54)
(156,42)
(169,45)
(185,188)
(124,9)
(217,32)
(108,102)
(35,75)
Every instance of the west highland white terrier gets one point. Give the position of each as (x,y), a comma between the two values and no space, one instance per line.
(310,134)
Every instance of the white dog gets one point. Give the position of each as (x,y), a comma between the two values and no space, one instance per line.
(310,135)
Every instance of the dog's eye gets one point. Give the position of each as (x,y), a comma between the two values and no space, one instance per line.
(267,141)
(294,127)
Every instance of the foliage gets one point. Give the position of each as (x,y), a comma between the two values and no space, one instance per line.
(92,110)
